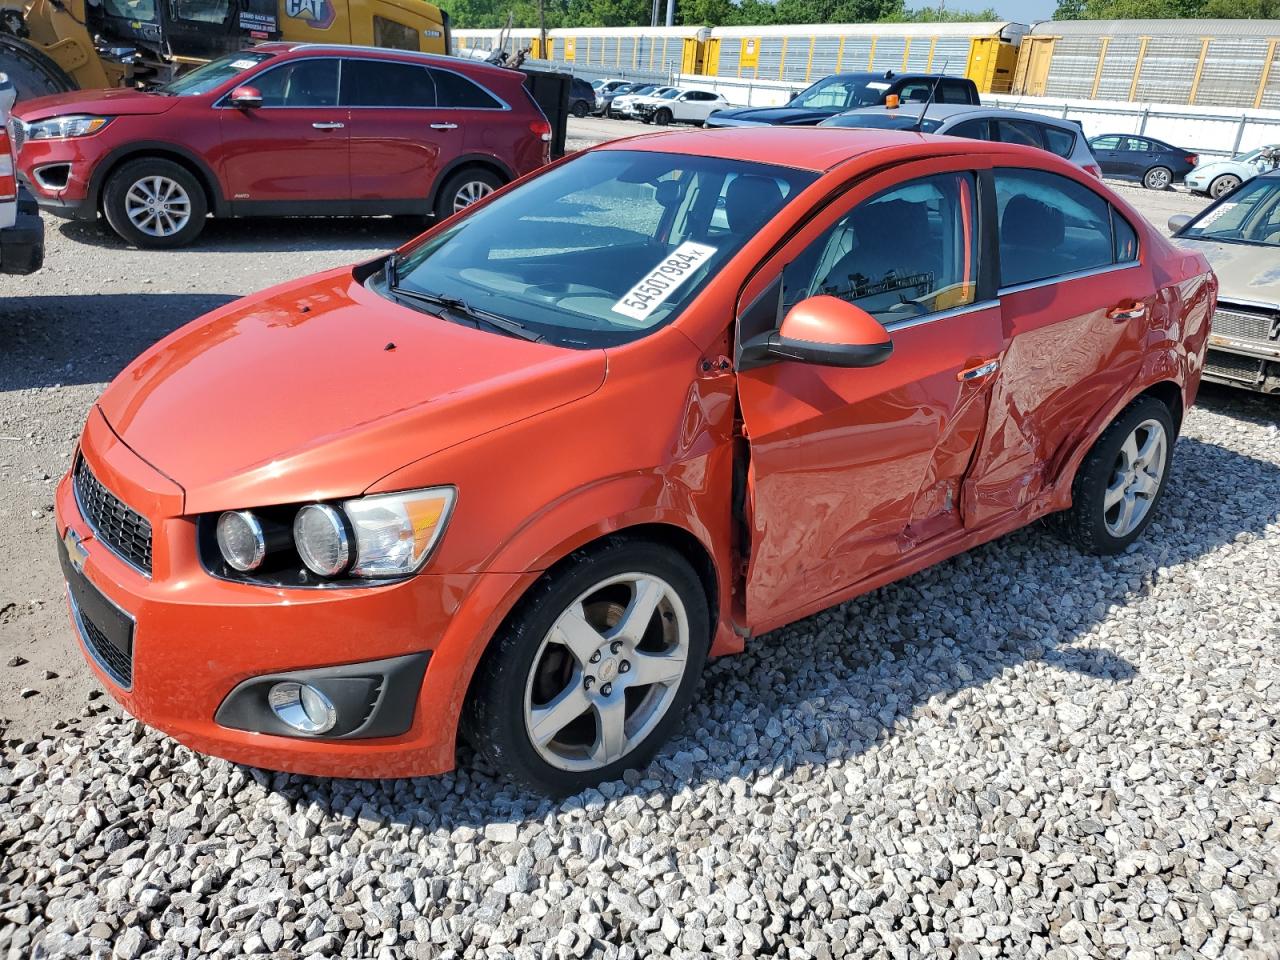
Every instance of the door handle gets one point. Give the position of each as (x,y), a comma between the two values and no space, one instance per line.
(332,125)
(1133,310)
(444,126)
(980,371)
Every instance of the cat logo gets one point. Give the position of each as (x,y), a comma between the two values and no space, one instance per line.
(316,14)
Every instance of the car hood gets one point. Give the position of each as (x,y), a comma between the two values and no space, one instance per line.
(1216,167)
(318,389)
(775,116)
(1246,272)
(107,103)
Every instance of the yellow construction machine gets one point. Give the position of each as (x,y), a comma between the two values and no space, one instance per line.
(52,46)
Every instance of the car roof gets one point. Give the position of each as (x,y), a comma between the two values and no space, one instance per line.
(380,53)
(945,111)
(817,149)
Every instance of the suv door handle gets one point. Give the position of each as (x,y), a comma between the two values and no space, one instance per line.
(332,125)
(980,371)
(1133,310)
(444,126)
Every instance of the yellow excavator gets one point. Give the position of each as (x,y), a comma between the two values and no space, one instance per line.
(53,46)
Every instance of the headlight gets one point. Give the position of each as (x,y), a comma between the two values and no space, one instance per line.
(241,540)
(63,128)
(320,534)
(396,532)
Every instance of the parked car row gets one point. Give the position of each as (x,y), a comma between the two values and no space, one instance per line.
(656,103)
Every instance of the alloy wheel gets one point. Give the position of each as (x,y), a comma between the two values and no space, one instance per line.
(158,206)
(606,672)
(469,193)
(1223,185)
(1136,478)
(1158,178)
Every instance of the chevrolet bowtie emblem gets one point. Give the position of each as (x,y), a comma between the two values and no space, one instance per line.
(76,551)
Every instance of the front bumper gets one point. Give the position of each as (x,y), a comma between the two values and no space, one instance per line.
(195,639)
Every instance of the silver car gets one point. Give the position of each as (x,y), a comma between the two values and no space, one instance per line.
(1239,235)
(1063,137)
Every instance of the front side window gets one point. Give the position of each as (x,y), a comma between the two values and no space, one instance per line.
(300,83)
(1052,226)
(1106,143)
(604,249)
(383,83)
(213,74)
(200,11)
(143,11)
(455,90)
(908,252)
(1251,215)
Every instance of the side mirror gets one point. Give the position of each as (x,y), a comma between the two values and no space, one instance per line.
(245,98)
(1178,221)
(824,330)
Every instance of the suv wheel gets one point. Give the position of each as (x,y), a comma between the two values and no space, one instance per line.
(579,109)
(1157,178)
(155,204)
(464,188)
(594,670)
(1121,480)
(662,117)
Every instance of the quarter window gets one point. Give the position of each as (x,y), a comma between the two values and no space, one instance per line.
(300,83)
(384,83)
(1051,226)
(907,252)
(455,90)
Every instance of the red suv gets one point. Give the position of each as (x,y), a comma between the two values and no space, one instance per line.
(282,129)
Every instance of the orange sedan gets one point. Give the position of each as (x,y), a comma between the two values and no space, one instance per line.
(522,477)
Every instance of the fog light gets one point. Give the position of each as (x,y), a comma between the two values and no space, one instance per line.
(302,707)
(241,540)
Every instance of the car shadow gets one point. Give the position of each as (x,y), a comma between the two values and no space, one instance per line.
(902,661)
(270,234)
(62,340)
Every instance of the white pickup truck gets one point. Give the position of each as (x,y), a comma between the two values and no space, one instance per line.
(21,229)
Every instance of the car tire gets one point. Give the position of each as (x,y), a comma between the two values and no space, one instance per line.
(579,109)
(1158,178)
(532,676)
(1120,483)
(1221,186)
(155,204)
(662,118)
(464,188)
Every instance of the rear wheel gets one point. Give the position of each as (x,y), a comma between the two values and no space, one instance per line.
(580,109)
(155,204)
(465,188)
(595,669)
(1121,480)
(1157,178)
(1223,185)
(662,117)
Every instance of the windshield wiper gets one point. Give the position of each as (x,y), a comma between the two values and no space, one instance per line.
(454,305)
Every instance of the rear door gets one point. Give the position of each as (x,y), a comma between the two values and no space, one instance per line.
(398,137)
(1076,301)
(292,151)
(851,470)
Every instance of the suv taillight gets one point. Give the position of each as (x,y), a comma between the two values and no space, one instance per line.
(8,182)
(542,129)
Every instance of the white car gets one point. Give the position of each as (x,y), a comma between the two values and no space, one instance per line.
(625,105)
(680,106)
(1220,177)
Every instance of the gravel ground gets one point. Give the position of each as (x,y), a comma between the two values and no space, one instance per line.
(1020,752)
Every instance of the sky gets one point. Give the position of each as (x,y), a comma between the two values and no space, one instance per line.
(1023,11)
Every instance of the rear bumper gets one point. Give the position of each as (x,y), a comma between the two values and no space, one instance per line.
(22,245)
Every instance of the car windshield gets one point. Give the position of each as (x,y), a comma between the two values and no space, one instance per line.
(670,94)
(598,251)
(1251,215)
(889,120)
(213,74)
(841,93)
(142,11)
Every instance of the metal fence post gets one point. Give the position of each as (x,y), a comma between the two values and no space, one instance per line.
(1239,134)
(1142,126)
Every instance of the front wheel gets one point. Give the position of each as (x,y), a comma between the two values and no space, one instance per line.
(1121,480)
(465,188)
(580,109)
(662,118)
(1157,178)
(155,204)
(595,669)
(1223,185)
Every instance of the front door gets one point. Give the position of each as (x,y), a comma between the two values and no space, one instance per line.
(1106,150)
(851,470)
(1077,302)
(291,154)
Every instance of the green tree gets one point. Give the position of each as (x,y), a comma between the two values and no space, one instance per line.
(1069,10)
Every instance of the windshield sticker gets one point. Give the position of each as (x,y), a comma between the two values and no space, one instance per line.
(1213,215)
(243,64)
(655,287)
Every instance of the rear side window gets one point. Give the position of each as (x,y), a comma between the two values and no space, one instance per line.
(300,83)
(1051,226)
(1059,141)
(383,83)
(455,90)
(953,91)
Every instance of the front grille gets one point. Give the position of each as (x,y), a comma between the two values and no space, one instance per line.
(123,531)
(1246,326)
(114,661)
(1232,366)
